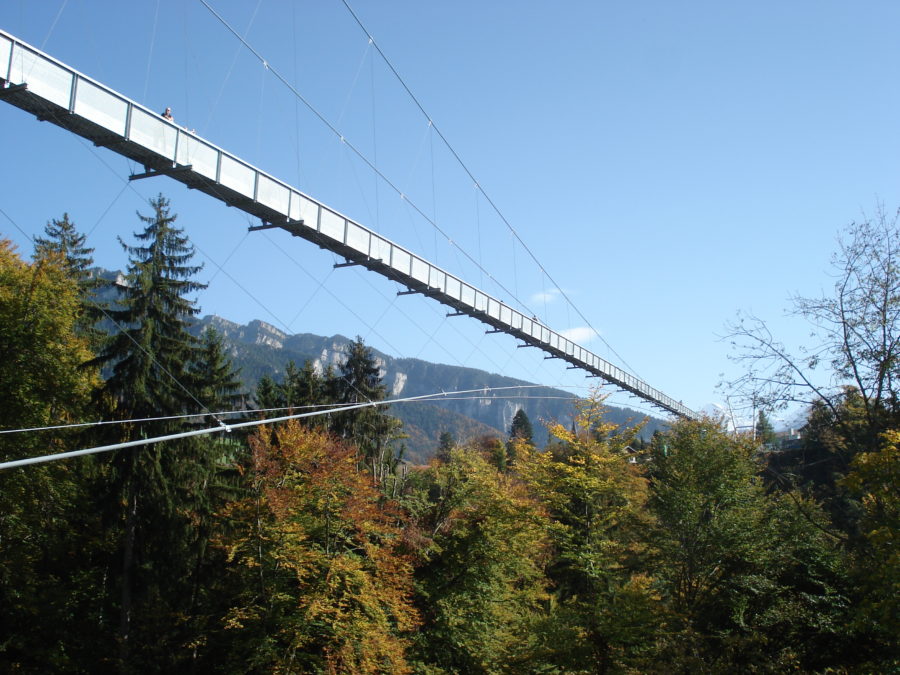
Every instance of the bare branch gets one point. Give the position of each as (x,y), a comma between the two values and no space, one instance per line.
(856,330)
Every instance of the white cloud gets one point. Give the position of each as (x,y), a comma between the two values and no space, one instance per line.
(546,296)
(580,334)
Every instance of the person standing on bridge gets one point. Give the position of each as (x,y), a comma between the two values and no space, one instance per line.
(168,115)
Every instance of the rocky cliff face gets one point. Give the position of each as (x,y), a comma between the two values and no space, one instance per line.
(255,332)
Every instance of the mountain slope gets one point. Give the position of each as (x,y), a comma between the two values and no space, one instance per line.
(259,348)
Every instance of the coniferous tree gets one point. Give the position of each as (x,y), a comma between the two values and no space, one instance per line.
(216,382)
(303,390)
(371,429)
(150,353)
(216,385)
(331,393)
(291,385)
(153,487)
(268,394)
(360,377)
(520,433)
(521,427)
(446,443)
(65,242)
(765,432)
(312,391)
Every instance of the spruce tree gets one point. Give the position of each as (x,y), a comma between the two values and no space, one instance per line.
(301,391)
(360,376)
(521,427)
(446,443)
(310,391)
(268,394)
(371,429)
(63,239)
(291,385)
(216,382)
(765,432)
(66,243)
(310,386)
(150,353)
(153,488)
(212,478)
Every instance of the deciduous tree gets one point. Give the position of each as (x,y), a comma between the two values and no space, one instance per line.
(41,352)
(874,479)
(753,581)
(854,333)
(46,597)
(482,586)
(315,550)
(606,611)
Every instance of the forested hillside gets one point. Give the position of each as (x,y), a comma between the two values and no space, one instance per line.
(259,349)
(308,546)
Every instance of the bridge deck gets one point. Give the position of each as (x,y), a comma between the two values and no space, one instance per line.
(54,92)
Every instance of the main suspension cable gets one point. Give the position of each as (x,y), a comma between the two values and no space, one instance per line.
(478,186)
(230,427)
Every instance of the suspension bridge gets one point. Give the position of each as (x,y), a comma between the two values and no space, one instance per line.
(54,92)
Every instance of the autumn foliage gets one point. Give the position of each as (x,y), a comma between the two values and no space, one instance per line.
(313,548)
(331,587)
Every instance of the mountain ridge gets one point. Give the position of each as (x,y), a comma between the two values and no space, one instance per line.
(259,348)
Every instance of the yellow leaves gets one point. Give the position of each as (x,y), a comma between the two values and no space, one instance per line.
(519,449)
(237,618)
(874,478)
(362,614)
(595,498)
(42,350)
(559,432)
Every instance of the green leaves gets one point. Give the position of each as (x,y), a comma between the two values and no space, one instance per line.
(481,583)
(596,502)
(751,578)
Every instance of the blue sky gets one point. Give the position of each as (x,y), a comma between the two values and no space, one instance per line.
(669,164)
